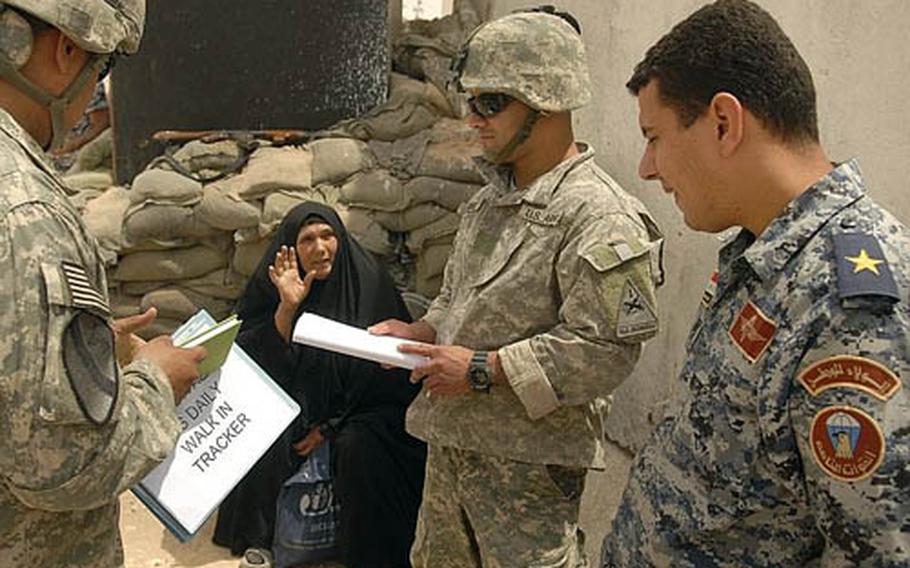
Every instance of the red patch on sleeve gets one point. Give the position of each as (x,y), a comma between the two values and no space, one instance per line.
(847,443)
(752,332)
(850,372)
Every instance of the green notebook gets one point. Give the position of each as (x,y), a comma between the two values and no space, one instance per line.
(217,340)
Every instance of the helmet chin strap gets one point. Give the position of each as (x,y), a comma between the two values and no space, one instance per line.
(520,137)
(56,106)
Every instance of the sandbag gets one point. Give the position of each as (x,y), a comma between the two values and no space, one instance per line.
(163,223)
(447,193)
(247,256)
(164,187)
(226,211)
(412,106)
(180,304)
(445,226)
(411,218)
(161,326)
(271,169)
(376,190)
(201,157)
(97,154)
(336,159)
(431,264)
(278,204)
(364,228)
(176,264)
(97,180)
(224,284)
(170,303)
(452,160)
(103,217)
(402,157)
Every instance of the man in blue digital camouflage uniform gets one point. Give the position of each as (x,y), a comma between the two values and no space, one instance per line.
(792,446)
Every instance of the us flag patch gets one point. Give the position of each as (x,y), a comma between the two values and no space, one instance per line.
(81,291)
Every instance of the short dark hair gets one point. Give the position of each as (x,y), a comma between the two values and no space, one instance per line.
(733,46)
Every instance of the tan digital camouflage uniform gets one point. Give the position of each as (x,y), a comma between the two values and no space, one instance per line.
(60,471)
(558,279)
(792,449)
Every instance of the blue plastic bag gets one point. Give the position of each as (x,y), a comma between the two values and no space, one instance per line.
(306,522)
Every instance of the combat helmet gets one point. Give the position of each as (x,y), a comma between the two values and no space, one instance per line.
(536,56)
(100,27)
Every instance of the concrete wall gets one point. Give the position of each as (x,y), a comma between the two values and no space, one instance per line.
(857,53)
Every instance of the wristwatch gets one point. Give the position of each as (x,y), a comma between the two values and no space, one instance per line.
(479,374)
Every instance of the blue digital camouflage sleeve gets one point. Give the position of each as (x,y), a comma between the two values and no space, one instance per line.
(850,412)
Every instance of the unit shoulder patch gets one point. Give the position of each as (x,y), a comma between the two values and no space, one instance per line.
(847,371)
(752,332)
(636,316)
(847,443)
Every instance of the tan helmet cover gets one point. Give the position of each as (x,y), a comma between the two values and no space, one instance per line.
(537,58)
(99,26)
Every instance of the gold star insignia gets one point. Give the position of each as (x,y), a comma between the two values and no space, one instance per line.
(864,262)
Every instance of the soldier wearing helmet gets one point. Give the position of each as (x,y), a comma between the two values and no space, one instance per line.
(546,300)
(77,428)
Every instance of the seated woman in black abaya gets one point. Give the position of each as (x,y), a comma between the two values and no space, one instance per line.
(313,265)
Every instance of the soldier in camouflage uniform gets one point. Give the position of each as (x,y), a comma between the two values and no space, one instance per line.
(546,300)
(792,446)
(76,429)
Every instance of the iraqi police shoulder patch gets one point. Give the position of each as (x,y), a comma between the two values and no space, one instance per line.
(636,316)
(850,372)
(862,270)
(847,444)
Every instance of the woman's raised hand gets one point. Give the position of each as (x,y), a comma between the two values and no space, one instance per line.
(286,277)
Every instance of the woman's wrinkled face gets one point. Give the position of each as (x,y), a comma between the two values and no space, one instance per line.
(316,248)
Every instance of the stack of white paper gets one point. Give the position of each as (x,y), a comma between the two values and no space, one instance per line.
(317,331)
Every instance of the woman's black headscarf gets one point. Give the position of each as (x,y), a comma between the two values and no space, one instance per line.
(358,292)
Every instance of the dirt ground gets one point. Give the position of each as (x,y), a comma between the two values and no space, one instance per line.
(148,544)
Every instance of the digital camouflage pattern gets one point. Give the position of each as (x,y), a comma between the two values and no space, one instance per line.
(60,473)
(536,58)
(99,26)
(458,485)
(800,458)
(544,276)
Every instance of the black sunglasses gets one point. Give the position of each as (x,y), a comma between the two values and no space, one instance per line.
(488,105)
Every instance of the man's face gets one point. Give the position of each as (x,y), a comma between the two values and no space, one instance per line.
(495,132)
(316,248)
(684,160)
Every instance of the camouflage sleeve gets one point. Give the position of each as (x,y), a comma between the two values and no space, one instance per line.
(55,456)
(607,310)
(850,414)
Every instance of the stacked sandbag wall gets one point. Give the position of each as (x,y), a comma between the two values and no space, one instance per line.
(191,228)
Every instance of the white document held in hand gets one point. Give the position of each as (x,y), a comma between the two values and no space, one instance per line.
(317,331)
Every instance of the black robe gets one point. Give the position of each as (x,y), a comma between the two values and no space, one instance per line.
(377,467)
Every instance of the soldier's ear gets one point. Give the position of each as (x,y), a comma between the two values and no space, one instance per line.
(727,116)
(69,58)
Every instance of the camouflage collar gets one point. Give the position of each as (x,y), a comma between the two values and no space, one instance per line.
(803,217)
(541,190)
(11,128)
